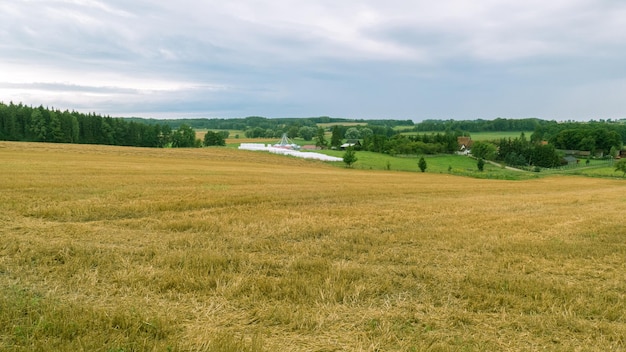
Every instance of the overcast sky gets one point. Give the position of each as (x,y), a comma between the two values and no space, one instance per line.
(419,59)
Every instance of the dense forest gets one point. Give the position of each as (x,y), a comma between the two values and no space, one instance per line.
(518,152)
(38,124)
(594,136)
(386,140)
(262,127)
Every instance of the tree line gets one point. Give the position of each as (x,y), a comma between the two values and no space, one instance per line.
(522,152)
(480,125)
(383,139)
(19,122)
(594,136)
(264,123)
(398,144)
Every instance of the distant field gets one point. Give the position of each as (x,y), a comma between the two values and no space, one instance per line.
(235,142)
(232,134)
(331,124)
(483,136)
(490,136)
(135,249)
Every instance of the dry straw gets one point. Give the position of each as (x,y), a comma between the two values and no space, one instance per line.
(130,249)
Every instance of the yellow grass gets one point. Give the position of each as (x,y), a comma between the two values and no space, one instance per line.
(129,249)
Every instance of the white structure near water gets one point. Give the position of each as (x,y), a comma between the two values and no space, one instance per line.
(285,151)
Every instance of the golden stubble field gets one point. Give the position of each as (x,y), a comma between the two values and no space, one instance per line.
(128,249)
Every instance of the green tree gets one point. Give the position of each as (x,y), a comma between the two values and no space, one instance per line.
(335,139)
(320,139)
(484,150)
(353,133)
(184,137)
(255,132)
(349,157)
(56,129)
(621,166)
(39,126)
(292,132)
(538,134)
(214,138)
(587,143)
(108,133)
(307,132)
(545,156)
(75,134)
(481,164)
(422,164)
(366,132)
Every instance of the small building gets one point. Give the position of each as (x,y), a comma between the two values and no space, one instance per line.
(570,160)
(578,153)
(351,143)
(465,145)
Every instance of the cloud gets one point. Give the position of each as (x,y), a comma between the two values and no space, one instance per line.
(419,59)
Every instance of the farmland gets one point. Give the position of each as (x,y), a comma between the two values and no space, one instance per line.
(479,136)
(107,248)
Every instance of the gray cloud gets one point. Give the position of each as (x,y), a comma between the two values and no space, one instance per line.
(422,59)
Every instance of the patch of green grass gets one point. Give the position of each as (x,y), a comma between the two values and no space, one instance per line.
(466,166)
(491,136)
(443,164)
(602,171)
(595,168)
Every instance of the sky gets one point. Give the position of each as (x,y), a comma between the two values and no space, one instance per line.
(367,59)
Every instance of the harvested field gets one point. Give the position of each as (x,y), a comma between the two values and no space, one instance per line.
(130,249)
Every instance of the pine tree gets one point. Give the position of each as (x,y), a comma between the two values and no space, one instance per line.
(335,139)
(320,140)
(39,126)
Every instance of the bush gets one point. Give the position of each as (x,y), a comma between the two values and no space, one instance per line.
(349,157)
(422,164)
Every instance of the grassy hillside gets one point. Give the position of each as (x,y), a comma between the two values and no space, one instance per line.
(130,249)
(458,165)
